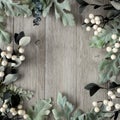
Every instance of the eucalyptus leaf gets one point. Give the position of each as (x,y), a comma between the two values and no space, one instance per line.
(24,41)
(10,78)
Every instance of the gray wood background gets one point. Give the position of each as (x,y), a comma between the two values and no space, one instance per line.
(61,61)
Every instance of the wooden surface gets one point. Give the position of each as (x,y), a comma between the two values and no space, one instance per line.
(61,59)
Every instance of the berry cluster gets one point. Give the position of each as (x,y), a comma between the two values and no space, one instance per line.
(115,47)
(93,22)
(109,103)
(10,56)
(19,111)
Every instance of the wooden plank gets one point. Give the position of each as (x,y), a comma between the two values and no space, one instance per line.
(60,59)
(33,68)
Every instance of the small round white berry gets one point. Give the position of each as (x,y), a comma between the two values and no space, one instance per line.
(9,48)
(97,18)
(25,15)
(86,21)
(113,97)
(2,109)
(2,74)
(105,102)
(98,22)
(117,106)
(5,106)
(118,90)
(3,54)
(110,93)
(22,57)
(12,110)
(6,101)
(20,107)
(88,28)
(23,112)
(114,36)
(91,16)
(119,38)
(117,45)
(110,103)
(96,109)
(8,56)
(115,50)
(92,21)
(94,103)
(25,116)
(20,112)
(21,50)
(14,57)
(95,33)
(4,63)
(14,113)
(95,27)
(99,29)
(108,49)
(113,57)
(108,108)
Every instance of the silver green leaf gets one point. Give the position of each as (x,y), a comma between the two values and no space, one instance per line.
(10,78)
(60,11)
(116,5)
(40,110)
(24,41)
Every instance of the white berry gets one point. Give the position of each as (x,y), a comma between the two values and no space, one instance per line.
(117,45)
(5,106)
(14,57)
(12,110)
(97,18)
(88,28)
(114,36)
(113,57)
(110,93)
(91,16)
(22,57)
(4,63)
(117,106)
(108,49)
(21,50)
(8,56)
(110,103)
(108,108)
(14,113)
(94,103)
(9,48)
(95,27)
(96,109)
(92,21)
(2,109)
(98,22)
(99,29)
(86,21)
(2,74)
(119,38)
(20,112)
(3,54)
(115,50)
(25,116)
(20,106)
(113,97)
(95,33)
(118,90)
(105,102)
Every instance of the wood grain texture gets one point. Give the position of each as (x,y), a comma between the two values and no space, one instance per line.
(61,59)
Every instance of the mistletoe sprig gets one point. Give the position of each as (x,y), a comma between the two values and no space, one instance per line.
(106,35)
